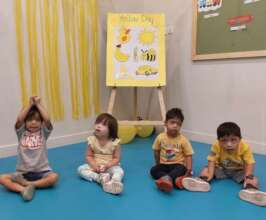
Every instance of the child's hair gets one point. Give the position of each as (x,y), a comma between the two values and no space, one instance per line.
(111,123)
(228,128)
(174,113)
(32,112)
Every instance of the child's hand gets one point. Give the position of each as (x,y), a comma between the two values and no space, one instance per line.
(37,99)
(31,100)
(103,168)
(96,169)
(251,181)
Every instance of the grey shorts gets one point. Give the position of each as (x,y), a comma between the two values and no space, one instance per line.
(236,175)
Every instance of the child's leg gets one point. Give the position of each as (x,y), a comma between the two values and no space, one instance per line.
(116,173)
(27,192)
(115,185)
(177,170)
(48,180)
(86,173)
(159,171)
(6,181)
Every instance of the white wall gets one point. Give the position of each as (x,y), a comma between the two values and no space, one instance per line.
(66,132)
(209,92)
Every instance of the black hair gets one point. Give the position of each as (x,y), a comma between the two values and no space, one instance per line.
(32,112)
(228,128)
(111,123)
(174,113)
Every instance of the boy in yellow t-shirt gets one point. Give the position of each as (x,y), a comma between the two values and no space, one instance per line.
(172,153)
(230,157)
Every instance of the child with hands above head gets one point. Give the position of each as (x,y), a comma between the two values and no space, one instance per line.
(33,127)
(103,156)
(172,153)
(230,157)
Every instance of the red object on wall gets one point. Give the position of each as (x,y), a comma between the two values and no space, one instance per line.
(240,20)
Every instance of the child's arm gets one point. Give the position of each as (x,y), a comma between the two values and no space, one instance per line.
(91,161)
(156,154)
(188,162)
(249,177)
(249,169)
(43,112)
(23,113)
(114,161)
(211,168)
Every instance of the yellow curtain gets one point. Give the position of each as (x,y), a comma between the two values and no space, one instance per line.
(80,19)
(20,50)
(81,40)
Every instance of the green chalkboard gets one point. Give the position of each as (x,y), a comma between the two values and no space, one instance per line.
(229,29)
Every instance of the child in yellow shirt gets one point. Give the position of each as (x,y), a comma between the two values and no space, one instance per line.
(172,153)
(230,157)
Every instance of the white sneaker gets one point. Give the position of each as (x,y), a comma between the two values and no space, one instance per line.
(113,187)
(253,196)
(104,178)
(196,184)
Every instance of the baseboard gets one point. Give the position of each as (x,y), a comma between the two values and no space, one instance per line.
(257,147)
(59,141)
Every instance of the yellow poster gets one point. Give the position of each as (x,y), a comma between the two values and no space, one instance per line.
(135,50)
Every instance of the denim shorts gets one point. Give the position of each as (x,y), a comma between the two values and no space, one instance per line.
(33,176)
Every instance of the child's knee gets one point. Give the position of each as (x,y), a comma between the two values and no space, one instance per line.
(53,178)
(121,172)
(83,167)
(4,177)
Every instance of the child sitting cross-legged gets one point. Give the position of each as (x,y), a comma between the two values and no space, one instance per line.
(172,153)
(103,156)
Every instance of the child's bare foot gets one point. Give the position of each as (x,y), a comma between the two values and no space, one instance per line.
(165,184)
(28,193)
(196,184)
(113,187)
(253,196)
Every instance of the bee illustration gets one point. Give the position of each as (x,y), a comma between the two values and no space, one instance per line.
(148,55)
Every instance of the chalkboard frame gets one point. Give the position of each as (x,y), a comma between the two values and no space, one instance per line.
(213,56)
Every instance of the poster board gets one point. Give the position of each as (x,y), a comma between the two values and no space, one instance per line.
(228,29)
(135,50)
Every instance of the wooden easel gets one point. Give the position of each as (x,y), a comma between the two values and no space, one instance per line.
(138,122)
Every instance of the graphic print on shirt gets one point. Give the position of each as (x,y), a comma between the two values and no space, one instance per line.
(169,151)
(32,141)
(231,164)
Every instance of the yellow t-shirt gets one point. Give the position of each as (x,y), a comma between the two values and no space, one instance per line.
(103,154)
(172,150)
(235,160)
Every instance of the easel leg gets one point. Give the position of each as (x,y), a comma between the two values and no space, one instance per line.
(161,102)
(135,103)
(111,101)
